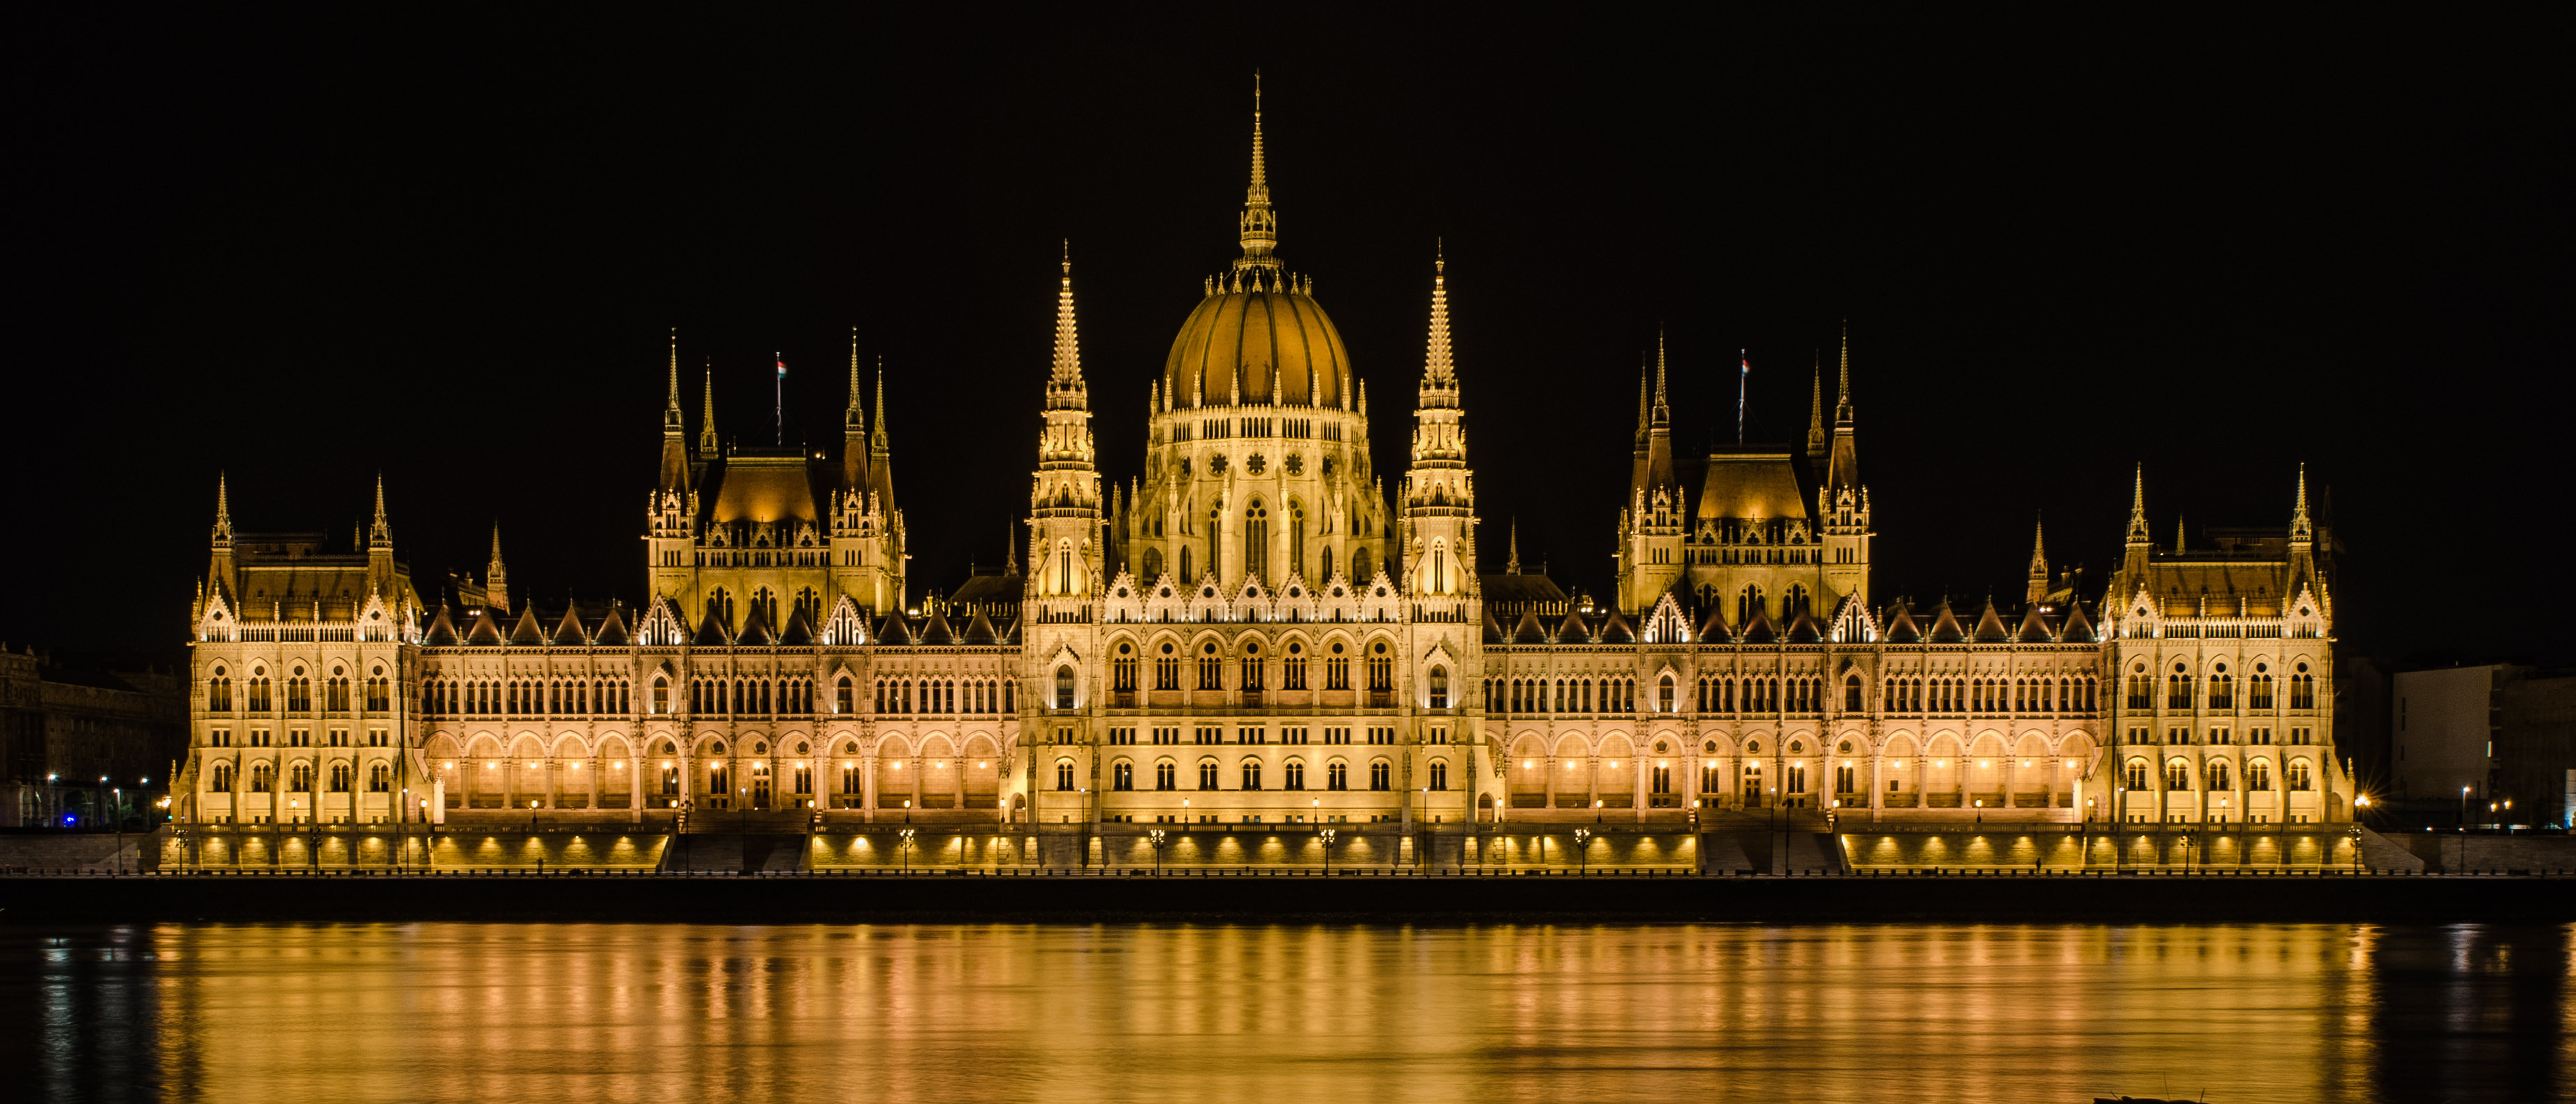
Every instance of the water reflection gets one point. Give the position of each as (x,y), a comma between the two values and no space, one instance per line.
(1496,1014)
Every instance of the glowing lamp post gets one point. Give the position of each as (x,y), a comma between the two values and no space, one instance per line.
(1159,842)
(907,850)
(1582,852)
(1328,852)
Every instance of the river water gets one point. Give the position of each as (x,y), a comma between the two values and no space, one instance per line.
(334,1014)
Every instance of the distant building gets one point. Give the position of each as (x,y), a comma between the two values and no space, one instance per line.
(2362,714)
(79,748)
(2535,746)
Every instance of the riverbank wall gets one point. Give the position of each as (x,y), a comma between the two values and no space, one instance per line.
(1266,896)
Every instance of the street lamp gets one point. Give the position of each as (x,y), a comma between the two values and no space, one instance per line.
(2464,808)
(1329,834)
(1582,851)
(1159,843)
(907,850)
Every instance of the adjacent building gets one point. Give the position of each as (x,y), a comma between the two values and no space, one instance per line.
(86,749)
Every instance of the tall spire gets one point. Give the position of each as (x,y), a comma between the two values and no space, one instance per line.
(1437,367)
(2038,589)
(496,582)
(1645,404)
(1512,562)
(1843,403)
(2138,510)
(223,511)
(1068,345)
(380,534)
(854,415)
(877,438)
(671,416)
(2300,529)
(1663,409)
(1259,224)
(707,447)
(2178,531)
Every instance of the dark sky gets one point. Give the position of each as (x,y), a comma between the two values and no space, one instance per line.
(309,247)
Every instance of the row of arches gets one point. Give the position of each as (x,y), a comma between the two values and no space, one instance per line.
(1564,695)
(262,776)
(2298,775)
(2217,689)
(1252,774)
(338,691)
(457,697)
(941,695)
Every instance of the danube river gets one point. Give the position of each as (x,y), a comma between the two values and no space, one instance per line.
(1328,1014)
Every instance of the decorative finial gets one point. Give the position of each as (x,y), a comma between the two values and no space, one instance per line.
(2138,509)
(1438,369)
(223,509)
(877,438)
(707,445)
(1663,410)
(855,417)
(1068,345)
(672,405)
(1259,224)
(380,532)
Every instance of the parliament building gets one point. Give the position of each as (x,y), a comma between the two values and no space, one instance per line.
(1256,629)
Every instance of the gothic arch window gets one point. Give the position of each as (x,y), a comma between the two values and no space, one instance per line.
(843,697)
(1439,687)
(1256,540)
(1360,564)
(1794,603)
(1326,571)
(1064,567)
(1186,577)
(1296,535)
(1851,693)
(2135,777)
(1747,604)
(1664,695)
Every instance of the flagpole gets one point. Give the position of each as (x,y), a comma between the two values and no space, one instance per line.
(1742,377)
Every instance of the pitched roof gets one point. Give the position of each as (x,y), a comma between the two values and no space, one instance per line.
(1901,628)
(936,631)
(711,632)
(799,631)
(2034,628)
(612,628)
(442,629)
(528,631)
(1990,626)
(1529,631)
(1617,631)
(2078,628)
(894,632)
(568,631)
(1572,630)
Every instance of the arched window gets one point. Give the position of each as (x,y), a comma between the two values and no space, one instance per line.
(1207,775)
(1664,695)
(1252,774)
(1794,603)
(2303,689)
(1256,541)
(1064,567)
(1851,693)
(1381,775)
(1064,686)
(1296,537)
(299,778)
(1381,668)
(1211,668)
(220,779)
(2177,775)
(2136,775)
(219,693)
(1747,604)
(1122,670)
(1064,775)
(2178,688)
(2258,775)
(2297,775)
(380,779)
(1186,578)
(1440,774)
(843,697)
(1326,571)
(2142,689)
(1360,565)
(2218,776)
(1337,775)
(1439,687)
(1438,579)
(1122,776)
(1166,775)
(2222,688)
(2258,689)
(340,778)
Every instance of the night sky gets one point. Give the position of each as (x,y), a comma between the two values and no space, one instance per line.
(305,248)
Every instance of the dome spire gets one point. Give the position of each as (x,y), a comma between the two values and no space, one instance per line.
(1068,347)
(1438,370)
(1259,224)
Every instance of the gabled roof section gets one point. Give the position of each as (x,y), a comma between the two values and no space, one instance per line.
(528,630)
(2078,628)
(711,633)
(1572,630)
(1803,630)
(936,630)
(799,632)
(1493,630)
(568,632)
(1714,627)
(756,629)
(1901,628)
(1759,630)
(1616,630)
(1011,633)
(1990,626)
(981,630)
(442,629)
(1945,626)
(485,629)
(2034,629)
(612,628)
(1529,631)
(893,632)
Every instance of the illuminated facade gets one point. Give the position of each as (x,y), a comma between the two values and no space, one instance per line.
(1254,631)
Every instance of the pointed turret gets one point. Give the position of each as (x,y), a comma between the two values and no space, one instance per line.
(1259,223)
(2177,534)
(2138,510)
(1064,498)
(223,513)
(380,534)
(2300,528)
(1842,471)
(1512,561)
(854,430)
(219,568)
(1645,420)
(1439,491)
(707,446)
(880,452)
(496,585)
(1659,430)
(2036,589)
(675,429)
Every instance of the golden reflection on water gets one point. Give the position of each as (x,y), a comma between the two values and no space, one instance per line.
(639,1012)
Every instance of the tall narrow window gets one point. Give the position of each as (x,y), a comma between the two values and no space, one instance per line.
(1256,541)
(1296,538)
(1064,687)
(1439,687)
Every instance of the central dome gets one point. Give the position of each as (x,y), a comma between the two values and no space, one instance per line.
(1280,341)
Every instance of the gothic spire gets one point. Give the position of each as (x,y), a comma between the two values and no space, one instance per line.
(855,416)
(1438,370)
(380,534)
(1067,380)
(1645,416)
(1663,409)
(1512,561)
(877,438)
(671,416)
(2300,529)
(1259,224)
(496,581)
(2138,510)
(707,447)
(223,510)
(1817,442)
(1843,403)
(2038,563)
